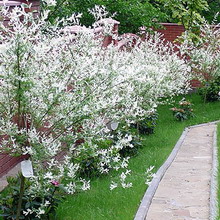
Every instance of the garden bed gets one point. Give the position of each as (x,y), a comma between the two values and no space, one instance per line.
(101,203)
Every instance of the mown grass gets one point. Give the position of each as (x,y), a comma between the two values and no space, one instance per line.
(218,146)
(100,203)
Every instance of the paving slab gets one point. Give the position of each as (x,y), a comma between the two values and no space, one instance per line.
(184,191)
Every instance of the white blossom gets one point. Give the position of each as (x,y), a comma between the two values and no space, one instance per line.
(113,185)
(57,91)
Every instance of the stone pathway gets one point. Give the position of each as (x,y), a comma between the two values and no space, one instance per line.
(184,191)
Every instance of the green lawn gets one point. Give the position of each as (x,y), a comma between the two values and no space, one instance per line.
(121,204)
(218,145)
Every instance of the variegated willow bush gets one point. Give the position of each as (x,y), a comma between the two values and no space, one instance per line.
(58,91)
(204,59)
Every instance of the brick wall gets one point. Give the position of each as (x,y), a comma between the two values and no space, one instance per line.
(8,162)
(171,31)
(35,5)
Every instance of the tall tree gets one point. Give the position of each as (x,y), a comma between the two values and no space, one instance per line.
(131,14)
(214,8)
(186,12)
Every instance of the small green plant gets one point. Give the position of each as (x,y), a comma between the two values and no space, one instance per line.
(184,111)
(131,151)
(211,92)
(9,203)
(88,159)
(134,141)
(147,125)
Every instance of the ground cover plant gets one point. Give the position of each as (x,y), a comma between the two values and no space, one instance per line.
(100,203)
(59,92)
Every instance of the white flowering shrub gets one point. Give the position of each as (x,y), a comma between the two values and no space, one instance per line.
(58,91)
(204,59)
(204,56)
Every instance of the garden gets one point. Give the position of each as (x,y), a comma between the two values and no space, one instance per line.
(95,123)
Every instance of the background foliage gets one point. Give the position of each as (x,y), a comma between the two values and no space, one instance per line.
(133,14)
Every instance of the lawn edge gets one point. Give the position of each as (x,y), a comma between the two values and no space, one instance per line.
(148,196)
(214,181)
(142,211)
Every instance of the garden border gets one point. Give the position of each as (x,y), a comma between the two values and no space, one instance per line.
(214,180)
(142,211)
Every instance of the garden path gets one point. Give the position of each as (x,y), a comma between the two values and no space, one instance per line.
(185,189)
